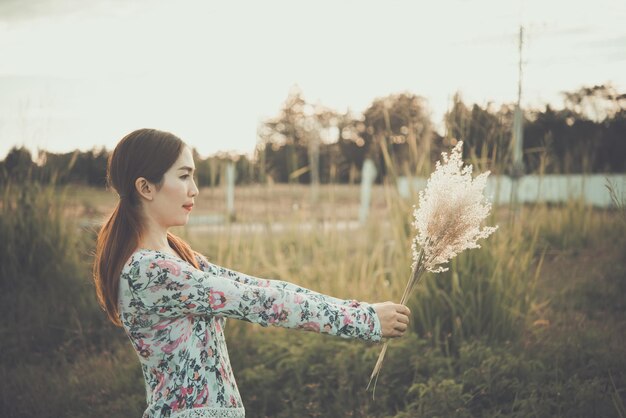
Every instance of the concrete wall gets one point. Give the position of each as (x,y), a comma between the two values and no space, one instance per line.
(534,188)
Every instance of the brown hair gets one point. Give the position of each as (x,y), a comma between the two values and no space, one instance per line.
(147,153)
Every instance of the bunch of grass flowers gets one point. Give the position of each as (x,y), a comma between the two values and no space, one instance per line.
(447,221)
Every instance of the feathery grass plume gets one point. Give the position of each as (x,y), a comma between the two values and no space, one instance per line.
(448,221)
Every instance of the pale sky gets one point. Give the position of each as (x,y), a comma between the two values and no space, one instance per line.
(79,74)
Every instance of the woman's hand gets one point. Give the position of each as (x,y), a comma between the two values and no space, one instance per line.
(394,318)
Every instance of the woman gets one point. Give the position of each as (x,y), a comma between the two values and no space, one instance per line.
(173,303)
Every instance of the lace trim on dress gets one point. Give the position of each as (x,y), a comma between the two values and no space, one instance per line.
(211,413)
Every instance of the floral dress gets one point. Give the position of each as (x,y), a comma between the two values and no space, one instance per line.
(174,316)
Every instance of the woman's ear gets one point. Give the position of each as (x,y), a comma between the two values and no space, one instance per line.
(145,188)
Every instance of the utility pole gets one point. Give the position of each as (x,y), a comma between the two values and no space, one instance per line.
(517,168)
(518,120)
(314,161)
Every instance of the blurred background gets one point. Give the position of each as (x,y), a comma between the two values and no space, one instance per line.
(314,126)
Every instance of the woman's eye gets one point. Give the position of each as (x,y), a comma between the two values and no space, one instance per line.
(184,176)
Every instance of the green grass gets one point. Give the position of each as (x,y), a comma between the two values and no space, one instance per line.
(532,324)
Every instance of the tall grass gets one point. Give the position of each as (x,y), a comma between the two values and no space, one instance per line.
(51,322)
(469,354)
(487,293)
(43,296)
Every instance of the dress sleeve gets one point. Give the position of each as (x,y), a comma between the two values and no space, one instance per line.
(166,287)
(206,266)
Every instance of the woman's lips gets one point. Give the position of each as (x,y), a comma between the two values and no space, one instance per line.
(188,208)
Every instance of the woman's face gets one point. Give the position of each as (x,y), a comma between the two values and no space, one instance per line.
(172,203)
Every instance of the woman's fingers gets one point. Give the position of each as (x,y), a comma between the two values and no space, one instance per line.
(394,318)
(396,333)
(400,327)
(403,318)
(402,309)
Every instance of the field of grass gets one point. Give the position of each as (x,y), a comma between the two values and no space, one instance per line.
(254,203)
(531,325)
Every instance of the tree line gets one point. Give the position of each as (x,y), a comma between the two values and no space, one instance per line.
(307,143)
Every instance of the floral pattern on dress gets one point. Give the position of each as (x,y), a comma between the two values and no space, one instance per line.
(174,315)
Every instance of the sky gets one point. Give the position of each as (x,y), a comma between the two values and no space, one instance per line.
(78,74)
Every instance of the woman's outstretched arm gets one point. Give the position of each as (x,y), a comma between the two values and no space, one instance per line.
(205,265)
(164,285)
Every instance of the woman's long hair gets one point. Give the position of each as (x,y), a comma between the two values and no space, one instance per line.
(147,153)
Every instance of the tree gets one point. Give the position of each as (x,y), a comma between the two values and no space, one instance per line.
(292,143)
(18,165)
(588,135)
(485,132)
(352,147)
(595,103)
(398,133)
(288,150)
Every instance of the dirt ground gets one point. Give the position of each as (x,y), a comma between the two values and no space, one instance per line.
(252,203)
